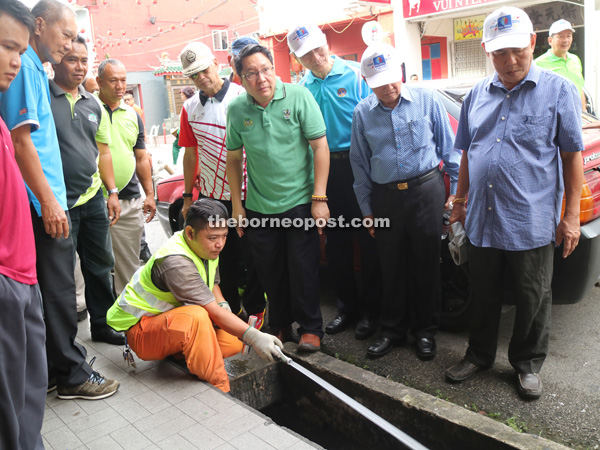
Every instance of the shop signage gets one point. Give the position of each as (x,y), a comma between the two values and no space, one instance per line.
(468,28)
(544,15)
(416,8)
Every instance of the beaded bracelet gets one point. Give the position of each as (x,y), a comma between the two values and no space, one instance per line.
(319,198)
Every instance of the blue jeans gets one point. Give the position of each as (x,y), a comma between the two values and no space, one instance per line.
(91,238)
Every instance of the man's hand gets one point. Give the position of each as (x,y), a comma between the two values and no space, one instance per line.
(320,211)
(149,208)
(187,202)
(263,344)
(371,229)
(449,201)
(239,215)
(55,220)
(568,231)
(114,209)
(459,214)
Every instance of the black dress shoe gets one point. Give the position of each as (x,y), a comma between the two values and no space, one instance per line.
(529,385)
(461,371)
(82,315)
(339,323)
(426,348)
(109,336)
(365,328)
(382,347)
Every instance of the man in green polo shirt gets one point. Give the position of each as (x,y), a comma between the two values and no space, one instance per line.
(82,127)
(132,168)
(559,60)
(276,122)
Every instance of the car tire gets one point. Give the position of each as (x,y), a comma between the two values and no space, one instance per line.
(175,218)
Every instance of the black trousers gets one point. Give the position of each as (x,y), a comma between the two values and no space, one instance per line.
(531,272)
(287,262)
(234,260)
(91,238)
(352,298)
(410,257)
(56,278)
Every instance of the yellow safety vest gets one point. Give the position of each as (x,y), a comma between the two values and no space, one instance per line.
(142,298)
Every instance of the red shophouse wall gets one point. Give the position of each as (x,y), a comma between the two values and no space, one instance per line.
(134,19)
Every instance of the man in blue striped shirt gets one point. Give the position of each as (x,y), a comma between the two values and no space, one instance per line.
(337,86)
(520,130)
(399,136)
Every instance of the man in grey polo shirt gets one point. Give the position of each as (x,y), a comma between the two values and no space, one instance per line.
(83,134)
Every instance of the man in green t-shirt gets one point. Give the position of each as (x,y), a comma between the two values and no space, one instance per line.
(559,60)
(287,156)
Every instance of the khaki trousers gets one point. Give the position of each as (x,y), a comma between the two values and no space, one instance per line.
(126,235)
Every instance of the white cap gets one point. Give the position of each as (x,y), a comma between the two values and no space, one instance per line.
(303,39)
(507,27)
(560,25)
(195,57)
(381,64)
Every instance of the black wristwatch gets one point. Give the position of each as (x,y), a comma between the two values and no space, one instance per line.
(185,195)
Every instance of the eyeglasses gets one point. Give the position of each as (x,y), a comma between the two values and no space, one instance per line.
(197,74)
(251,76)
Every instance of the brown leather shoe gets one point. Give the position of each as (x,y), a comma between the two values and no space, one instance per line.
(461,371)
(309,343)
(529,385)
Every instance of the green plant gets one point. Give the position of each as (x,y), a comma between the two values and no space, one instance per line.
(516,425)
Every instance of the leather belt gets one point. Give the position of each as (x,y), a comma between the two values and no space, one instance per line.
(345,154)
(412,182)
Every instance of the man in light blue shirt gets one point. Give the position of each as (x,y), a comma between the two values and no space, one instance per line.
(520,131)
(399,136)
(25,107)
(338,87)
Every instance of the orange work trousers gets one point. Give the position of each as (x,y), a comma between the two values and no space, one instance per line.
(187,330)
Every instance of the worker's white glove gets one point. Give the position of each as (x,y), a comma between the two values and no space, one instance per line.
(225,305)
(262,343)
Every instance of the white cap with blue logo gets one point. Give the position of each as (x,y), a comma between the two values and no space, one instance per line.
(507,27)
(381,64)
(560,25)
(303,39)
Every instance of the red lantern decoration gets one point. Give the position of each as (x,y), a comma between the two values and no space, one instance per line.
(155,1)
(139,40)
(109,33)
(123,32)
(82,30)
(160,29)
(182,24)
(129,41)
(172,26)
(149,39)
(139,2)
(104,2)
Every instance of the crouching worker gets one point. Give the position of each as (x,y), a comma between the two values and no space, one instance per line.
(174,304)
